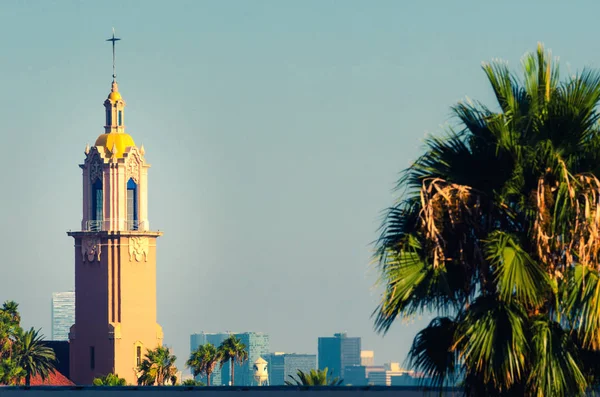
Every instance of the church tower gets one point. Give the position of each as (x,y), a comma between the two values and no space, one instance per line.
(115,256)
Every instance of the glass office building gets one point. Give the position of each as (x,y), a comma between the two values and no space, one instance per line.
(257,345)
(63,314)
(338,352)
(215,339)
(282,365)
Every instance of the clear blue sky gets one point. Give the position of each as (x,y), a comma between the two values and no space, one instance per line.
(276,131)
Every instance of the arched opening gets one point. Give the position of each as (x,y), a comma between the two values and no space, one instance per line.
(97,201)
(132,207)
(120,117)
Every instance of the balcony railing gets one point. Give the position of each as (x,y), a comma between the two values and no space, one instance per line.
(134,225)
(93,226)
(96,226)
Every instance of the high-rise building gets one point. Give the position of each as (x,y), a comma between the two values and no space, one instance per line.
(257,345)
(367,358)
(215,339)
(282,365)
(337,352)
(63,315)
(115,256)
(355,375)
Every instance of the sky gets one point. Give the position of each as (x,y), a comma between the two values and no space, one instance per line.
(276,131)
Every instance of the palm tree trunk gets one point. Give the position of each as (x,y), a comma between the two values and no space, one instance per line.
(27,379)
(207,378)
(232,366)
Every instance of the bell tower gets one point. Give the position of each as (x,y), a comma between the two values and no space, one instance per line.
(115,256)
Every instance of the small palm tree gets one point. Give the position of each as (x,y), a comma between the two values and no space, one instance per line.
(158,367)
(192,382)
(203,360)
(109,380)
(34,356)
(313,378)
(11,308)
(232,349)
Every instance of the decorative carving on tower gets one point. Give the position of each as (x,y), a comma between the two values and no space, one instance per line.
(133,167)
(94,163)
(138,248)
(90,249)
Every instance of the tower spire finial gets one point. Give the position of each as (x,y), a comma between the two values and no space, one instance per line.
(114,40)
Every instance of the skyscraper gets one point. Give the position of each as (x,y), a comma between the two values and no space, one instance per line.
(337,352)
(367,358)
(282,365)
(257,345)
(215,339)
(115,256)
(63,314)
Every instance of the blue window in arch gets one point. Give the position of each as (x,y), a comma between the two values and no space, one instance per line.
(108,118)
(97,214)
(120,117)
(132,210)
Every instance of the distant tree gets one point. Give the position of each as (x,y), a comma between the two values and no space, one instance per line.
(313,378)
(203,360)
(109,380)
(34,356)
(192,382)
(12,309)
(232,349)
(10,371)
(158,368)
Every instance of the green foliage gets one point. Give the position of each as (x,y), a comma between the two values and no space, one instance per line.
(313,378)
(498,232)
(158,368)
(109,380)
(22,354)
(34,356)
(233,350)
(203,360)
(192,382)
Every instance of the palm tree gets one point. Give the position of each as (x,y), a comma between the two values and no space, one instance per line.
(34,356)
(12,309)
(498,232)
(192,382)
(10,329)
(203,360)
(158,367)
(109,380)
(313,378)
(232,349)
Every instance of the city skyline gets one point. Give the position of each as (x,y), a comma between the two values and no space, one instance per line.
(277,130)
(63,315)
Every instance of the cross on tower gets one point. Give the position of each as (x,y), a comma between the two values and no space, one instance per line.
(114,40)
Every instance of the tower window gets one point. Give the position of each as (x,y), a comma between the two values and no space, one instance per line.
(97,213)
(138,355)
(92,358)
(132,210)
(120,117)
(108,112)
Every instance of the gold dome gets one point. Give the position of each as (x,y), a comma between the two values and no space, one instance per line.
(119,140)
(114,96)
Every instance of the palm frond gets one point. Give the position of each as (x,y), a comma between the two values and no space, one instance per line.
(433,353)
(517,275)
